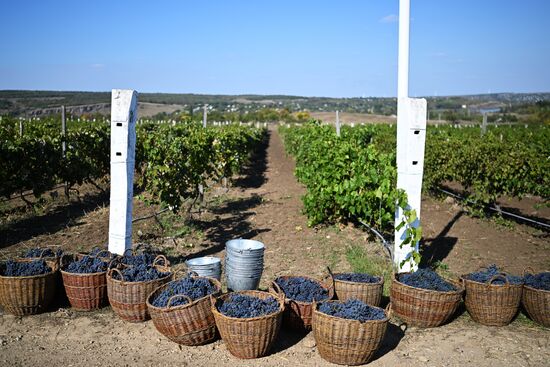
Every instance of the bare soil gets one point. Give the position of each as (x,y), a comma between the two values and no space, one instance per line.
(264,203)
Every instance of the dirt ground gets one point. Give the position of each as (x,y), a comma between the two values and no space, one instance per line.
(264,204)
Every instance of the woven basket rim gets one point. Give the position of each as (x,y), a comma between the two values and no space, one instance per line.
(81,274)
(181,307)
(460,287)
(350,321)
(381,281)
(53,271)
(214,308)
(464,279)
(323,284)
(536,289)
(110,278)
(47,258)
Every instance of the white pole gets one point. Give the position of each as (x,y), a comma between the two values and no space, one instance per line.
(403,61)
(337,124)
(411,135)
(123,143)
(204,116)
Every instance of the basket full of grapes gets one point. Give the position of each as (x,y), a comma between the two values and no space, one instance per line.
(423,298)
(536,296)
(248,321)
(348,332)
(42,253)
(132,280)
(27,286)
(492,297)
(85,282)
(364,287)
(181,309)
(299,293)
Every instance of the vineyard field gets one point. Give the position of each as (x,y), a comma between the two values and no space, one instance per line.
(354,176)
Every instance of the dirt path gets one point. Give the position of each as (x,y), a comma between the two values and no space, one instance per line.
(265,204)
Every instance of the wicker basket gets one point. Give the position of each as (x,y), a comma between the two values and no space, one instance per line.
(347,342)
(423,307)
(248,338)
(190,324)
(492,305)
(369,293)
(129,299)
(86,291)
(41,257)
(297,315)
(22,296)
(536,302)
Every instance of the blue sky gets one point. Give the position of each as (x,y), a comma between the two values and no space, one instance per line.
(312,48)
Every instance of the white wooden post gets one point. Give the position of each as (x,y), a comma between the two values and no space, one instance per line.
(204,116)
(123,143)
(63,132)
(484,124)
(411,137)
(337,124)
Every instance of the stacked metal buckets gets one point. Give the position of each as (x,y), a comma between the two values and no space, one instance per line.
(244,264)
(207,266)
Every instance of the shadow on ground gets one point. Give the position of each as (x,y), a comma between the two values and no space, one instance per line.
(287,339)
(434,250)
(393,336)
(253,175)
(59,218)
(233,217)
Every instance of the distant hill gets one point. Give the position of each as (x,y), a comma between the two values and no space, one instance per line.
(21,102)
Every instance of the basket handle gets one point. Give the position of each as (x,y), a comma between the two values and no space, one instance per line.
(43,251)
(277,288)
(501,276)
(331,275)
(528,270)
(175,296)
(163,258)
(389,310)
(110,273)
(101,253)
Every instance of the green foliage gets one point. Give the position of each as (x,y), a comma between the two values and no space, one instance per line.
(507,161)
(346,177)
(34,160)
(175,160)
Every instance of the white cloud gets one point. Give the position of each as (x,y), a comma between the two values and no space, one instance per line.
(97,66)
(392,18)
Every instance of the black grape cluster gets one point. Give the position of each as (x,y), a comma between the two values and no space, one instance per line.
(352,309)
(102,253)
(426,279)
(140,273)
(87,265)
(357,277)
(302,289)
(24,269)
(193,288)
(144,258)
(243,306)
(484,276)
(44,252)
(538,281)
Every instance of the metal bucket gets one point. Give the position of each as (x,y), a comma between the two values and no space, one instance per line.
(207,266)
(244,263)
